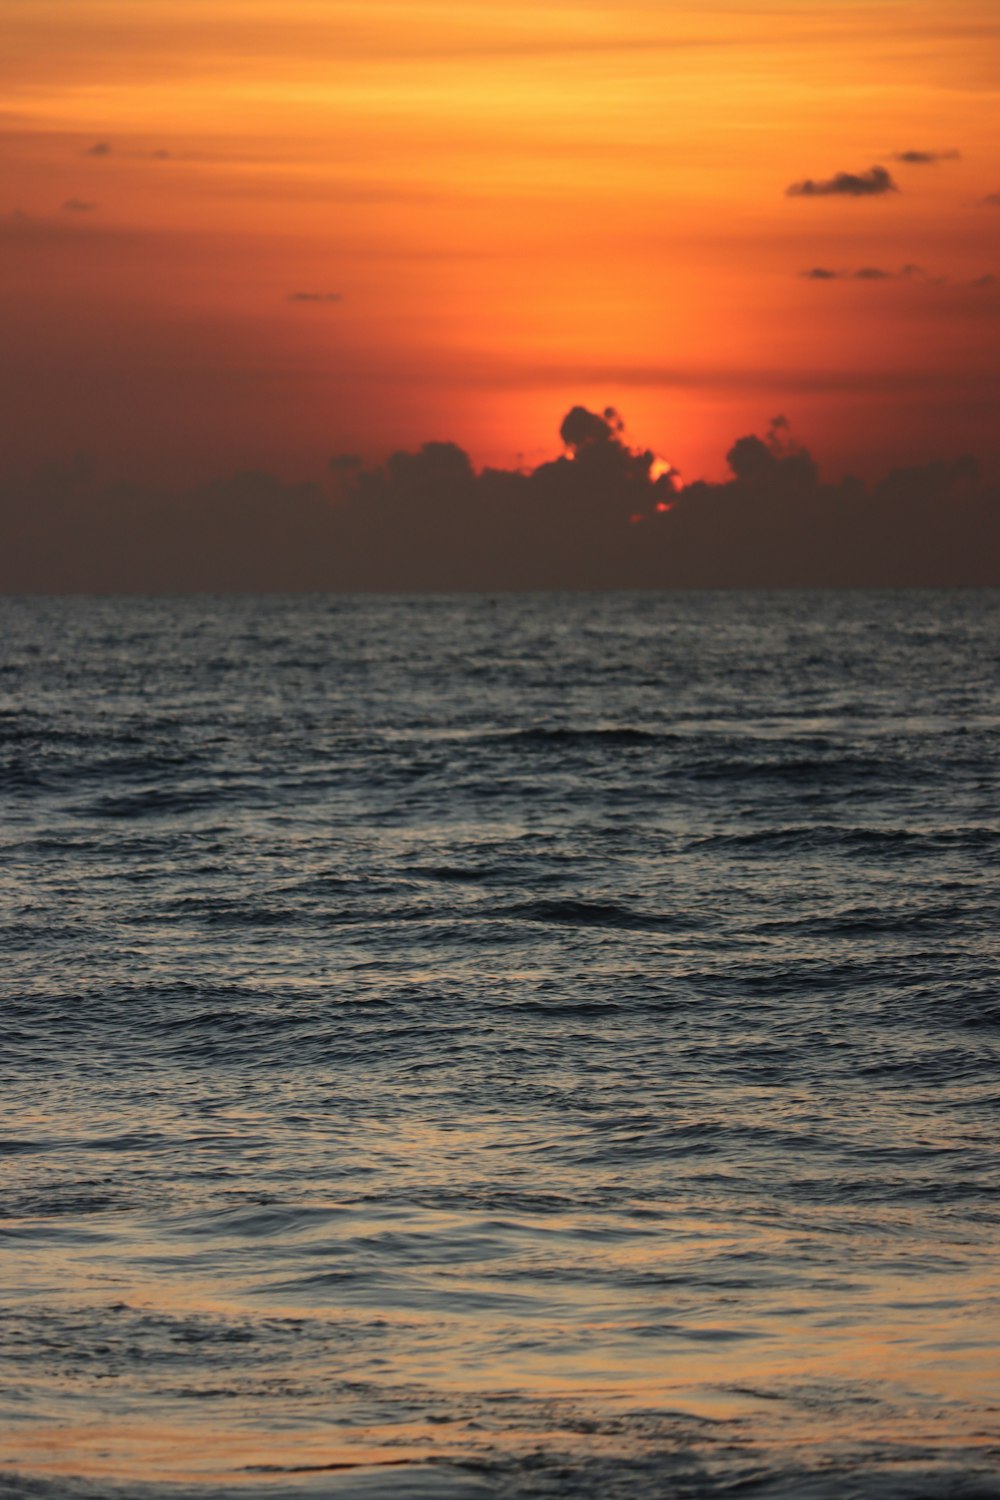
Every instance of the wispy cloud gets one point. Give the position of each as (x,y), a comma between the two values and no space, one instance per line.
(925,158)
(863,273)
(870,184)
(105,148)
(78,206)
(910,272)
(315,296)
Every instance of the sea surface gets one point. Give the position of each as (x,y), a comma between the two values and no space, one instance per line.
(542,1046)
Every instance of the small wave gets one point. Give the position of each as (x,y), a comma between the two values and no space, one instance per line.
(576,913)
(850,839)
(559,734)
(157,802)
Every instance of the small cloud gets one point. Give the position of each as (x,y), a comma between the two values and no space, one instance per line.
(870,184)
(160,155)
(988,280)
(100,148)
(864,273)
(925,158)
(992,200)
(315,297)
(78,206)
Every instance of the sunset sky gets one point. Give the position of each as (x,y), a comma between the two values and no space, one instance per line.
(240,232)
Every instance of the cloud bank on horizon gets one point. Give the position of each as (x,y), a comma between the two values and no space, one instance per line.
(602,514)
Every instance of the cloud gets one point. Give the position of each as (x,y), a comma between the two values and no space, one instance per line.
(315,296)
(580,427)
(992,200)
(78,206)
(910,272)
(925,158)
(870,184)
(602,515)
(864,273)
(105,148)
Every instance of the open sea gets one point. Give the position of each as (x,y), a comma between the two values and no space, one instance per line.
(541,1046)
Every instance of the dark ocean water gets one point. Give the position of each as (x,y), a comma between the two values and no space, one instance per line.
(543,1046)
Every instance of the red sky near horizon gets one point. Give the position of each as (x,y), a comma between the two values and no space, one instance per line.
(260,232)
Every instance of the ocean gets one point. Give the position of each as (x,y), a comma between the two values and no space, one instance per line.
(530,1046)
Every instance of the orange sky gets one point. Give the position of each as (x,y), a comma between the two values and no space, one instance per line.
(494,212)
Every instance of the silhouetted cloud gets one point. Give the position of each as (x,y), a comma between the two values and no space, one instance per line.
(603,514)
(581,427)
(992,200)
(105,148)
(315,296)
(870,184)
(78,206)
(925,158)
(863,273)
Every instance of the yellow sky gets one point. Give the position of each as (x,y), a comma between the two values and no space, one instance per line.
(264,231)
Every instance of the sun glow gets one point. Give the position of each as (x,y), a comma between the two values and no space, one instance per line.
(510,209)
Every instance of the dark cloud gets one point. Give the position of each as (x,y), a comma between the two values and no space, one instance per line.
(925,158)
(315,297)
(905,273)
(598,517)
(992,200)
(580,427)
(78,206)
(104,148)
(604,514)
(870,184)
(864,273)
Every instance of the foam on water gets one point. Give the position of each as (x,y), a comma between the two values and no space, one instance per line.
(531,1047)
